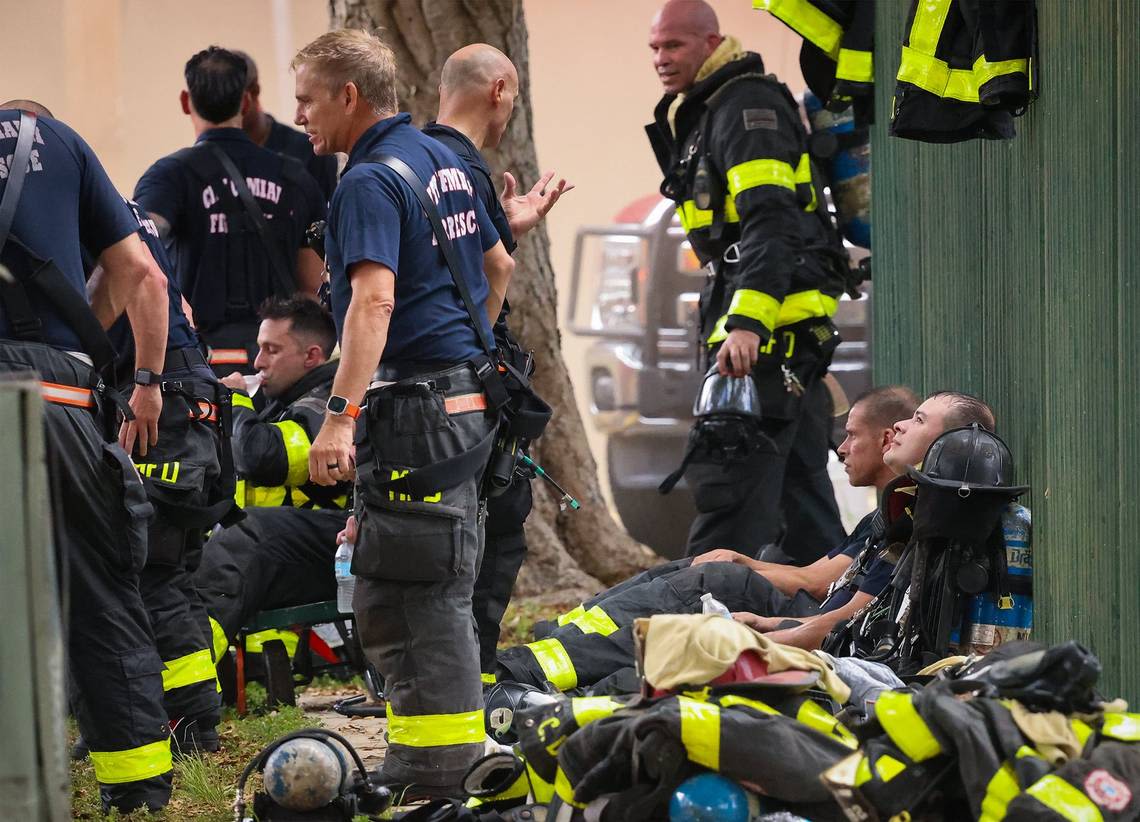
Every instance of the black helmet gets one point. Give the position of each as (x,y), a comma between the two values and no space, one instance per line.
(727,395)
(969,460)
(505,699)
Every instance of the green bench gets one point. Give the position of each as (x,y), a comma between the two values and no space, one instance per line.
(280,680)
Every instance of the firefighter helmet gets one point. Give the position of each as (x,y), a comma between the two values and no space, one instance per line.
(969,460)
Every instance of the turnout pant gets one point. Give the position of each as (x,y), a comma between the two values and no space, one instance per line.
(274,558)
(415,562)
(504,551)
(595,640)
(765,497)
(180,473)
(101,512)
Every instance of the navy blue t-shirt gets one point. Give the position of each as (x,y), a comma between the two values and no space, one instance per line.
(179,334)
(202,245)
(375,216)
(878,572)
(68,204)
(295,144)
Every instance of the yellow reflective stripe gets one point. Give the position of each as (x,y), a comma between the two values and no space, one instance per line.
(693,217)
(133,764)
(805,305)
(218,639)
(926,29)
(564,790)
(755,305)
(719,332)
(242,401)
(264,496)
(593,621)
(188,670)
(255,643)
(587,709)
(431,730)
(239,492)
(863,773)
(297,445)
(487,679)
(888,767)
(1000,791)
(984,70)
(555,663)
(517,790)
(855,66)
(543,791)
(760,173)
(818,719)
(1064,799)
(1125,727)
(1082,730)
(896,713)
(570,616)
(803,177)
(700,731)
(807,21)
(935,76)
(731,700)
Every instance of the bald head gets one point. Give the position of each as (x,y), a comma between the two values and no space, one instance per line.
(30,106)
(477,90)
(692,16)
(684,34)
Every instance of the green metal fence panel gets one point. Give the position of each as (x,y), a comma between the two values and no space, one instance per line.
(33,758)
(1011,269)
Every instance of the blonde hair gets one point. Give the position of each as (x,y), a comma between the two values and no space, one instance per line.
(358,57)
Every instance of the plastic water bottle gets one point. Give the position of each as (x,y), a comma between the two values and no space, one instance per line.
(712,605)
(345,581)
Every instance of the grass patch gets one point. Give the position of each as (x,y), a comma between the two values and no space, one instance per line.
(518,622)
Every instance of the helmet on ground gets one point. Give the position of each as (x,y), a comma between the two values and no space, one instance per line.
(505,699)
(968,460)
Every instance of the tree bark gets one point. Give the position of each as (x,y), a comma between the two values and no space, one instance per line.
(568,549)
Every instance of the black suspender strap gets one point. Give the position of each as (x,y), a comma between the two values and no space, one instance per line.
(487,369)
(285,282)
(44,276)
(17,171)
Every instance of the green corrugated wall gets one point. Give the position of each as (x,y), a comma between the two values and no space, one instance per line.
(1010,269)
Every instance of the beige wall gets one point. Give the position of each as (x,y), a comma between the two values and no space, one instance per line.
(113,70)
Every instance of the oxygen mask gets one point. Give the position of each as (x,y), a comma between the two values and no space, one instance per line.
(727,395)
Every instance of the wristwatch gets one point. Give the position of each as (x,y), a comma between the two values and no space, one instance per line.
(144,376)
(339,406)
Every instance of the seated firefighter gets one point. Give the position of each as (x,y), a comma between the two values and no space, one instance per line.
(281,554)
(595,640)
(955,557)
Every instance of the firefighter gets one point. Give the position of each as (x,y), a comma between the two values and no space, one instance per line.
(477,90)
(282,553)
(189,476)
(418,274)
(800,606)
(57,203)
(734,153)
(234,213)
(264,130)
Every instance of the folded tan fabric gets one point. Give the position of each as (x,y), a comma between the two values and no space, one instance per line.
(1050,732)
(693,649)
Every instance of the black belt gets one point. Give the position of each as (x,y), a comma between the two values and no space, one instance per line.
(183,358)
(410,369)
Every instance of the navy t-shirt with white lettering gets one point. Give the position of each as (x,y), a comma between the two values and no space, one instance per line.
(375,216)
(68,205)
(202,247)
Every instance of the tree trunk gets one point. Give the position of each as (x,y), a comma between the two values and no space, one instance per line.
(567,548)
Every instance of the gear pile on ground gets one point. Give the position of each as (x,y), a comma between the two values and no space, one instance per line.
(1020,734)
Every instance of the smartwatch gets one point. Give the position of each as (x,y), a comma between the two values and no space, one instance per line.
(339,406)
(144,376)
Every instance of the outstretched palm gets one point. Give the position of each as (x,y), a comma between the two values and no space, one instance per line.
(525,210)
